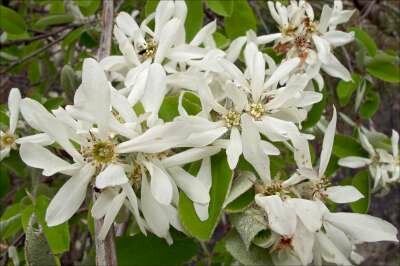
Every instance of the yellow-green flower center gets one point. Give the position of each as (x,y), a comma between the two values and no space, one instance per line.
(256,110)
(103,152)
(8,140)
(149,51)
(232,118)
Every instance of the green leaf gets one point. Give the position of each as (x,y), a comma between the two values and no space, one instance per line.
(10,221)
(194,19)
(34,71)
(365,40)
(151,250)
(254,256)
(88,8)
(221,182)
(380,68)
(221,7)
(37,250)
(345,89)
(14,163)
(221,41)
(242,202)
(344,146)
(73,36)
(52,20)
(248,224)
(361,181)
(169,108)
(241,21)
(150,6)
(370,104)
(57,236)
(53,103)
(11,21)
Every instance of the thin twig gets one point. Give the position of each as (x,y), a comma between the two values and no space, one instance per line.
(105,249)
(41,50)
(256,8)
(34,38)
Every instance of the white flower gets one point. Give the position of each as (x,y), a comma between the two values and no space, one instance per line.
(306,43)
(8,138)
(383,166)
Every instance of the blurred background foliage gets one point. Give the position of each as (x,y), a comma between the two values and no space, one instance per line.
(42,46)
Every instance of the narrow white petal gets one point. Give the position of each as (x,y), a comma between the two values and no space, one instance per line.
(166,40)
(190,155)
(111,214)
(335,69)
(37,156)
(309,213)
(234,148)
(327,144)
(14,99)
(102,202)
(69,198)
(156,219)
(42,139)
(113,175)
(354,162)
(343,194)
(363,228)
(160,184)
(241,184)
(282,71)
(127,188)
(192,186)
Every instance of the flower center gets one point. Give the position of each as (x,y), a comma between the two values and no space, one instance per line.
(8,139)
(320,187)
(232,118)
(257,110)
(149,51)
(100,152)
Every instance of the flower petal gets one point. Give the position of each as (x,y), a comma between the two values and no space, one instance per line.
(160,184)
(234,148)
(70,197)
(113,175)
(343,194)
(14,99)
(327,144)
(354,162)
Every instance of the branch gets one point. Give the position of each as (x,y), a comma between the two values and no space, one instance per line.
(105,249)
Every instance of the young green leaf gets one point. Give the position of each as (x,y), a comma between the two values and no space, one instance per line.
(52,20)
(365,40)
(344,146)
(362,182)
(241,20)
(380,68)
(194,19)
(11,21)
(345,89)
(221,7)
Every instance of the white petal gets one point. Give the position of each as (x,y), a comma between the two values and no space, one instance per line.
(155,89)
(335,69)
(252,150)
(37,156)
(264,39)
(42,139)
(111,214)
(126,47)
(69,198)
(309,213)
(14,99)
(327,144)
(190,155)
(343,194)
(166,40)
(192,186)
(354,162)
(4,153)
(282,71)
(323,48)
(281,218)
(102,202)
(338,38)
(329,251)
(155,217)
(203,33)
(234,148)
(303,242)
(160,184)
(113,175)
(201,211)
(363,228)
(134,204)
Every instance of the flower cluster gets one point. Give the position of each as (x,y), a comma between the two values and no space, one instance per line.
(114,140)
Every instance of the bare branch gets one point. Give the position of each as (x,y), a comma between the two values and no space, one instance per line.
(105,249)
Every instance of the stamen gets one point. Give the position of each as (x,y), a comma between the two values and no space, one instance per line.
(8,140)
(257,110)
(232,118)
